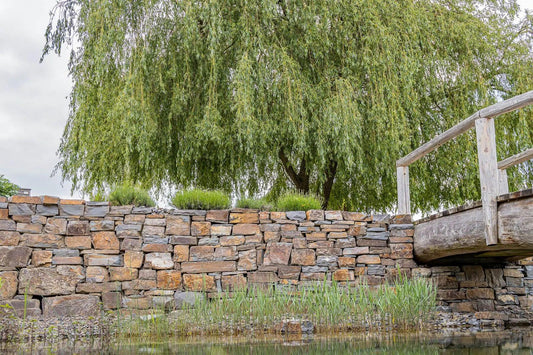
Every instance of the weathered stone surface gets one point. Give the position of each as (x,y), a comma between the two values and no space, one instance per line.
(139,284)
(278,254)
(9,285)
(244,217)
(356,251)
(208,266)
(29,309)
(111,300)
(480,293)
(219,216)
(401,251)
(421,272)
(289,272)
(158,261)
(25,199)
(495,277)
(9,238)
(103,260)
(21,209)
(184,300)
(42,241)
(29,228)
(105,241)
(296,215)
(7,225)
(246,229)
(513,273)
(368,259)
(17,256)
(4,213)
(330,261)
(354,216)
(303,257)
(147,274)
(333,215)
(71,210)
(96,209)
(343,275)
(133,259)
(44,281)
(209,241)
(377,270)
(56,226)
(134,219)
(78,228)
(202,253)
(183,240)
(41,257)
(67,260)
(178,225)
(346,262)
(200,228)
(128,230)
(149,231)
(313,276)
(315,215)
(168,279)
(262,277)
(123,273)
(102,225)
(247,260)
(131,244)
(96,274)
(225,253)
(72,305)
(78,242)
(37,219)
(137,302)
(199,282)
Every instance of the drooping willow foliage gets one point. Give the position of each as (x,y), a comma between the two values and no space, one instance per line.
(320,95)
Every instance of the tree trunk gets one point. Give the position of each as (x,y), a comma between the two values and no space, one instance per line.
(300,179)
(328,184)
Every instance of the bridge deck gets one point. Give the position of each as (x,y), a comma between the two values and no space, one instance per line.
(456,236)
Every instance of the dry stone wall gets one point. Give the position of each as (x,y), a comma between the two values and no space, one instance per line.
(75,257)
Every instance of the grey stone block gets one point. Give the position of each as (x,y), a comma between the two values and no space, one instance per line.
(47,210)
(296,215)
(21,209)
(71,210)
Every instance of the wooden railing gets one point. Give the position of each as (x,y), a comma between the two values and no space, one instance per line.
(492,174)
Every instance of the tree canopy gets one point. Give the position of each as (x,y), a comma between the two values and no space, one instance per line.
(320,95)
(7,188)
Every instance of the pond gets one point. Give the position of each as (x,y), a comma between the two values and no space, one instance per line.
(517,341)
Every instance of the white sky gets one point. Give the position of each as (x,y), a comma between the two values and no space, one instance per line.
(33,97)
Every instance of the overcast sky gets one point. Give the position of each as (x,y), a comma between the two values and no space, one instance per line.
(33,98)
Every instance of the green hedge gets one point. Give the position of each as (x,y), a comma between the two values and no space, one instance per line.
(197,199)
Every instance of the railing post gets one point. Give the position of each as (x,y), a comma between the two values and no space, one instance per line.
(503,184)
(488,176)
(404,202)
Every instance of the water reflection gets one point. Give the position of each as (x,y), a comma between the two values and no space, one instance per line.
(518,341)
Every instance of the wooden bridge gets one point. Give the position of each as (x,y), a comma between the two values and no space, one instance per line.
(497,228)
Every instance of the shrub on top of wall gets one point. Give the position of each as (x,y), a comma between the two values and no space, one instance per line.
(254,203)
(128,194)
(197,199)
(297,202)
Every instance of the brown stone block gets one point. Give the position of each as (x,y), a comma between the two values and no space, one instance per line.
(183,240)
(29,228)
(133,259)
(343,275)
(221,229)
(25,199)
(513,273)
(9,285)
(123,273)
(200,282)
(4,213)
(208,266)
(315,215)
(401,239)
(41,257)
(304,257)
(42,241)
(202,253)
(181,253)
(357,229)
(271,236)
(168,279)
(71,305)
(368,259)
(313,276)
(139,284)
(9,238)
(299,243)
(445,282)
(105,240)
(44,281)
(401,251)
(225,253)
(447,295)
(178,225)
(138,302)
(346,262)
(96,274)
(16,256)
(18,219)
(354,216)
(134,219)
(262,277)
(71,202)
(244,217)
(232,240)
(247,260)
(103,260)
(219,216)
(233,282)
(156,248)
(131,244)
(289,272)
(112,300)
(56,226)
(67,260)
(153,231)
(371,243)
(253,239)
(200,228)
(78,228)
(50,200)
(78,242)
(246,229)
(463,307)
(480,293)
(356,251)
(277,254)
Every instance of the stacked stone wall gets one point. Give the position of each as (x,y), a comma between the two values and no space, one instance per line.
(75,257)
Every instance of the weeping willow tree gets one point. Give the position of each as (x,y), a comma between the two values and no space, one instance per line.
(321,96)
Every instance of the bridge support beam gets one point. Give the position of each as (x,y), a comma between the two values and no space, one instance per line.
(488,176)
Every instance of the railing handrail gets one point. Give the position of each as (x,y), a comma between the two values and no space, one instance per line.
(493,177)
